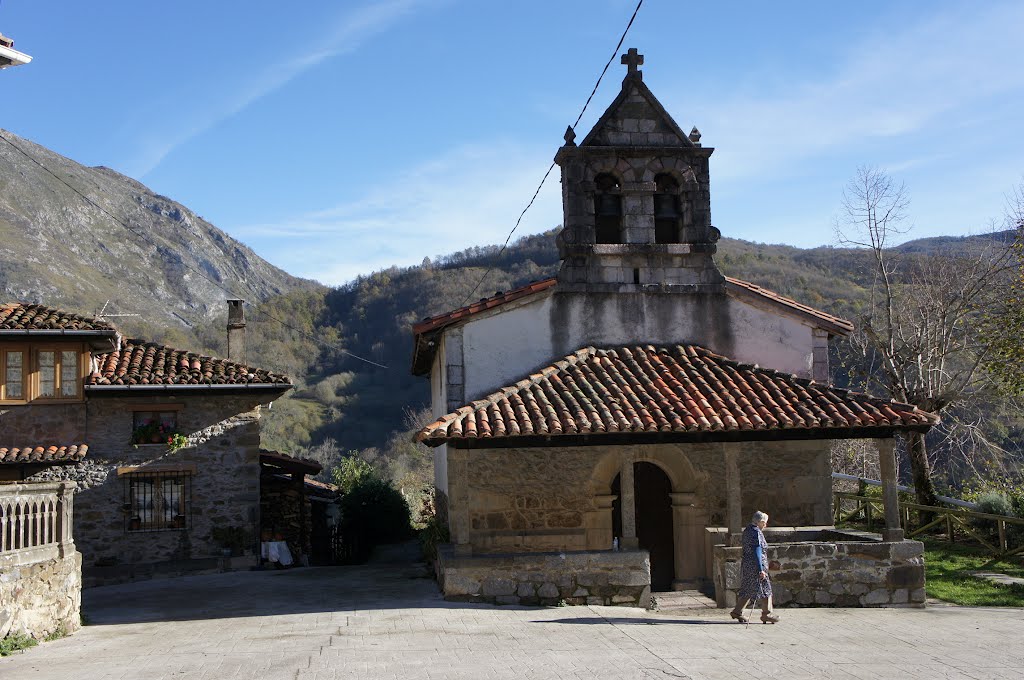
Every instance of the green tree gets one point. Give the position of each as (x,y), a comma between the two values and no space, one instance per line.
(1005,327)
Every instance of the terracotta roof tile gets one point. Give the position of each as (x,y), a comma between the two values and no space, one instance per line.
(147,363)
(292,463)
(18,316)
(441,320)
(680,389)
(326,487)
(56,455)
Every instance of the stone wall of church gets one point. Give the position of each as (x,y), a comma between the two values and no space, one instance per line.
(597,578)
(559,498)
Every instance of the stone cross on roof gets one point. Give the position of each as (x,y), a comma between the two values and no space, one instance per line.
(632,60)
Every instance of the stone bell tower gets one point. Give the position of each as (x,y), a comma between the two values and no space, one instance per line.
(636,201)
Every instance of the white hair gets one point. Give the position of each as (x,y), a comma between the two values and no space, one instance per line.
(758,517)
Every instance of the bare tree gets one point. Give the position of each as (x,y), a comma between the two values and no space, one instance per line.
(919,335)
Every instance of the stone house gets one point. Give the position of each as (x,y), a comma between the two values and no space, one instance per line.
(163,443)
(639,397)
(300,509)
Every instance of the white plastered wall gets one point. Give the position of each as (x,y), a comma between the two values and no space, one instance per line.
(505,346)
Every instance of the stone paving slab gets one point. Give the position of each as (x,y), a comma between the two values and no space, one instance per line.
(997,578)
(386,621)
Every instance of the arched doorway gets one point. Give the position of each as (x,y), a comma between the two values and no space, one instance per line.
(651,489)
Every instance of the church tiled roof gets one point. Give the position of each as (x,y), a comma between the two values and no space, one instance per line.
(56,455)
(15,316)
(432,323)
(147,363)
(677,393)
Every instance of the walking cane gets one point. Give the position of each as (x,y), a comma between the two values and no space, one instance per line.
(753,601)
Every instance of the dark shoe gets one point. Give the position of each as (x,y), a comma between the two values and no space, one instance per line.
(739,617)
(769,618)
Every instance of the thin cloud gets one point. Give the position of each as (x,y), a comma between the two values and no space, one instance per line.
(350,32)
(900,81)
(470,196)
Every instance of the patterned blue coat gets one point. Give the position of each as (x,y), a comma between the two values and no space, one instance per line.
(751,586)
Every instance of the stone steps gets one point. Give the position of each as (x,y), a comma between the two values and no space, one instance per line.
(682,600)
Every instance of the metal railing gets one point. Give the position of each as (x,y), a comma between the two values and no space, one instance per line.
(953,520)
(35,522)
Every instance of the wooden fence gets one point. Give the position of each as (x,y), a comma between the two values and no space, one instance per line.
(953,520)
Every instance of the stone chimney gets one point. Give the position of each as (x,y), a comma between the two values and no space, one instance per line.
(236,330)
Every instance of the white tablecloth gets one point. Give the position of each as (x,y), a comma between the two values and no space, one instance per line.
(276,551)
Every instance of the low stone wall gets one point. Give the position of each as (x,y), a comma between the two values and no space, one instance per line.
(843,573)
(586,577)
(41,598)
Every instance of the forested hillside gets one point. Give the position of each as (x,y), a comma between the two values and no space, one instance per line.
(78,237)
(355,405)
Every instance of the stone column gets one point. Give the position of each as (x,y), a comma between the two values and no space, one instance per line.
(598,522)
(688,536)
(458,500)
(627,503)
(65,517)
(733,492)
(890,494)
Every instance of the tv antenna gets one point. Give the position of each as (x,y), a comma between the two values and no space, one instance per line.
(103,315)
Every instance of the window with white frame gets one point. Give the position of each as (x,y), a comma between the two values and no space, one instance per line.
(49,373)
(13,374)
(59,376)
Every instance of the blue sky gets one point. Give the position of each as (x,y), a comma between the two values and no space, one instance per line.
(336,138)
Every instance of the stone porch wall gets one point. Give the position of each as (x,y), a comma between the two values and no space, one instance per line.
(600,577)
(558,498)
(856,573)
(40,571)
(41,598)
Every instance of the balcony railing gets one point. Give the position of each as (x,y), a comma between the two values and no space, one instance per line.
(35,522)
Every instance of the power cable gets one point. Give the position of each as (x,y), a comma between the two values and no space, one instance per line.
(198,271)
(551,167)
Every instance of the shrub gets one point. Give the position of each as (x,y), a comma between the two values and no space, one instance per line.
(59,632)
(350,472)
(15,643)
(992,503)
(373,512)
(995,503)
(433,529)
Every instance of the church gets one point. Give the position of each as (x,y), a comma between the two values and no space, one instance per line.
(606,433)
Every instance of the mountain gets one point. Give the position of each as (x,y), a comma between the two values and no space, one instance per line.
(347,348)
(144,253)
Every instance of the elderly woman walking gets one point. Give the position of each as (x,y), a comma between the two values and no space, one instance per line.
(754,581)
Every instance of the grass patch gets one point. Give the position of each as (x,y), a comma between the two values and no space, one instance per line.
(947,570)
(59,632)
(16,643)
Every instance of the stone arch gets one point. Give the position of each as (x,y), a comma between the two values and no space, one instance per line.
(689,515)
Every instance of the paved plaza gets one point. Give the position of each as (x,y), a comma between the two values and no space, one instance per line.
(387,621)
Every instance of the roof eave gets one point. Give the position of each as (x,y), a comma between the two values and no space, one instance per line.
(40,332)
(698,437)
(833,328)
(242,387)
